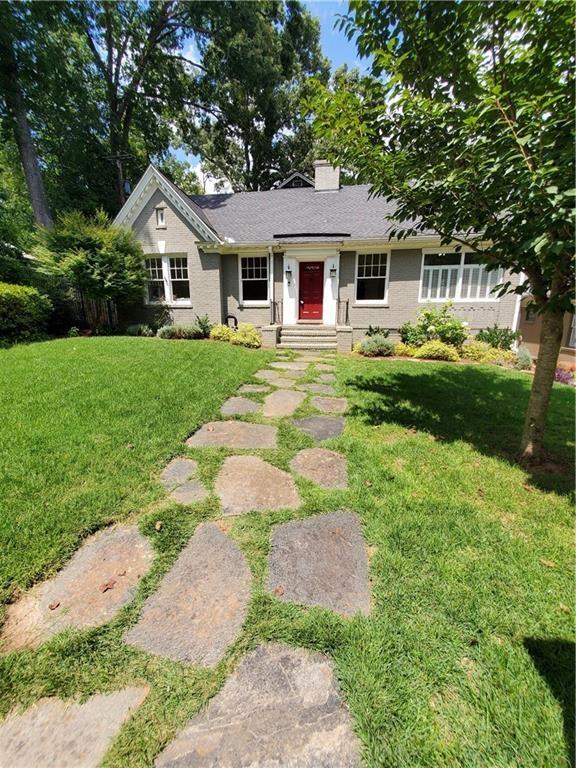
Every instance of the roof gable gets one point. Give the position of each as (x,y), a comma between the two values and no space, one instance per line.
(152,180)
(296,180)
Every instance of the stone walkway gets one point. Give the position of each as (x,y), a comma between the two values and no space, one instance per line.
(281,706)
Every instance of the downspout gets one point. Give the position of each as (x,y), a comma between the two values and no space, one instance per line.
(517,308)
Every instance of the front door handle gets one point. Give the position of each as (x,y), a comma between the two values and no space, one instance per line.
(301,301)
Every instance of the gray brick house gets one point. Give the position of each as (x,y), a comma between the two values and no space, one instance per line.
(310,263)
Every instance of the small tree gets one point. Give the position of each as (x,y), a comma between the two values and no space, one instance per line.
(467,121)
(101,261)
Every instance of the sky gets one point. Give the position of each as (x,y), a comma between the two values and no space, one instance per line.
(334,44)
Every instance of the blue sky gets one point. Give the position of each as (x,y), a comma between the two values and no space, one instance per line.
(334,43)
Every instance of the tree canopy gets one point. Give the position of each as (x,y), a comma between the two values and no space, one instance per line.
(467,121)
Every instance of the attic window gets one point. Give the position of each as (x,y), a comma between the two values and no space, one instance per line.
(160,218)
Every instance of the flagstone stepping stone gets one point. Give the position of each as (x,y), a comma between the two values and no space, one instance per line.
(179,476)
(62,734)
(245,388)
(201,603)
(249,484)
(281,707)
(325,366)
(234,434)
(274,378)
(321,561)
(327,378)
(178,471)
(321,389)
(321,427)
(285,365)
(323,467)
(238,406)
(89,591)
(330,404)
(282,402)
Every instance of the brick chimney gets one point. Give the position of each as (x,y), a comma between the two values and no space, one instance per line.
(326,176)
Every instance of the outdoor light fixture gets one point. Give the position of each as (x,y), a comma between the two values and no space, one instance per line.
(332,271)
(288,273)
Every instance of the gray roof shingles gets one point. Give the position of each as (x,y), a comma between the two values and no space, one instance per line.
(255,217)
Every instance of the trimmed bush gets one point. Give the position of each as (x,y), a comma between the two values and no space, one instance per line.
(139,329)
(179,332)
(376,346)
(499,338)
(437,350)
(24,312)
(435,324)
(246,336)
(478,351)
(523,360)
(404,350)
(221,332)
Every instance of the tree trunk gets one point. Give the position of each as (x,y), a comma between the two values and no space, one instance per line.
(17,110)
(550,342)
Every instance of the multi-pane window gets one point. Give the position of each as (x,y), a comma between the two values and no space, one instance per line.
(254,278)
(168,279)
(179,282)
(458,276)
(371,276)
(156,291)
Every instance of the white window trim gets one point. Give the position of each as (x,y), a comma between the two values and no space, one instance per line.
(372,302)
(249,303)
(459,267)
(168,300)
(160,217)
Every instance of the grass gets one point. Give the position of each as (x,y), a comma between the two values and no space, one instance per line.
(467,657)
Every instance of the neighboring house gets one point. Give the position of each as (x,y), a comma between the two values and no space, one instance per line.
(531,325)
(310,262)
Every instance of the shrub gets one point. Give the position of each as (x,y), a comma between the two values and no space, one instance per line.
(139,329)
(73,332)
(437,350)
(356,347)
(204,324)
(179,332)
(523,359)
(435,324)
(24,312)
(478,351)
(221,332)
(564,377)
(246,336)
(499,338)
(412,335)
(404,350)
(376,346)
(503,357)
(376,330)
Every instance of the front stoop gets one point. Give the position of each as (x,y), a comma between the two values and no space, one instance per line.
(307,336)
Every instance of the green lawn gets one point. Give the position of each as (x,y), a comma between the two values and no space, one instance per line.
(467,657)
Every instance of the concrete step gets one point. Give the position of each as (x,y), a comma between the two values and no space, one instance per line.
(311,344)
(304,331)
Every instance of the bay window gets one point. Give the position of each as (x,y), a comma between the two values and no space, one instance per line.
(458,276)
(168,280)
(254,279)
(371,278)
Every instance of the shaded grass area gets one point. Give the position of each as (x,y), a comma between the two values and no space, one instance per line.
(86,424)
(466,659)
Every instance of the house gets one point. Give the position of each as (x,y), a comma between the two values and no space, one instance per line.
(310,263)
(531,325)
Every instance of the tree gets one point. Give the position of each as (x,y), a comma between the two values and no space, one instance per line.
(15,104)
(244,112)
(180,172)
(101,261)
(136,52)
(467,121)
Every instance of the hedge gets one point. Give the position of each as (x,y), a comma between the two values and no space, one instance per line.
(24,312)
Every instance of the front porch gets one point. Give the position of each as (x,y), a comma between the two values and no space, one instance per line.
(307,335)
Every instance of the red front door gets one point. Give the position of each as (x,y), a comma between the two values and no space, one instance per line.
(311,290)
